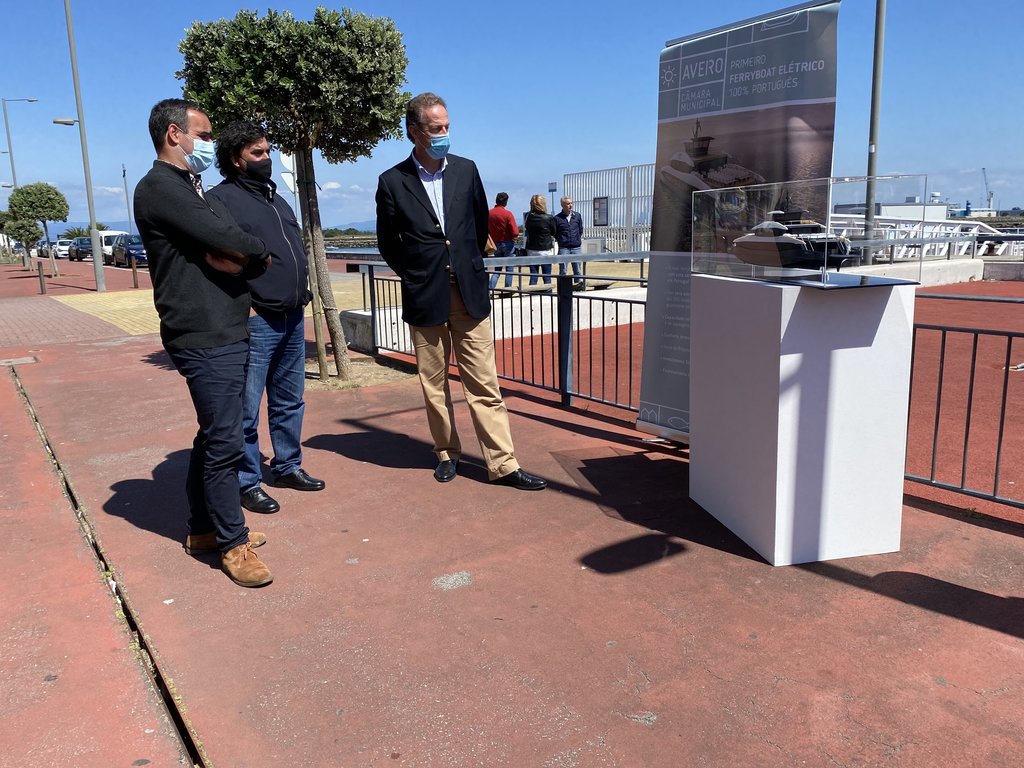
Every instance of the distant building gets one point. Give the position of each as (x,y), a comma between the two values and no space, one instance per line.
(910,209)
(969,212)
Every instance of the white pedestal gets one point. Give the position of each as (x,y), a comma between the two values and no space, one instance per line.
(798,403)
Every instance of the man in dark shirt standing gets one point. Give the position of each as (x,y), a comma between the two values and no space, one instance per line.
(199,260)
(277,336)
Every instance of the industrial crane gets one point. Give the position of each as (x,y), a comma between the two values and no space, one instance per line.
(988,194)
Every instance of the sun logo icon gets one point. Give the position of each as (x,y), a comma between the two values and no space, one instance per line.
(668,77)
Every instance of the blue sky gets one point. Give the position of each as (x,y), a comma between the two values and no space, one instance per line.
(534,90)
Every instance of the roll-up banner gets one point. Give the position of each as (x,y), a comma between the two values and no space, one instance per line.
(745,104)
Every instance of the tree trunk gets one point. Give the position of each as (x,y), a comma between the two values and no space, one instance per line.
(307,192)
(314,283)
(49,252)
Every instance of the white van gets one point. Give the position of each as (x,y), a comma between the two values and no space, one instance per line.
(107,237)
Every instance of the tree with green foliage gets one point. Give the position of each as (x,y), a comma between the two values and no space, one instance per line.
(5,240)
(332,84)
(39,202)
(72,232)
(25,231)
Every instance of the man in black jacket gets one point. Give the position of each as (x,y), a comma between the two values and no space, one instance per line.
(199,260)
(431,230)
(277,336)
(569,226)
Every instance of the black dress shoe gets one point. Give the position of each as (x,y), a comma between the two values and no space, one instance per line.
(445,471)
(298,481)
(522,480)
(257,500)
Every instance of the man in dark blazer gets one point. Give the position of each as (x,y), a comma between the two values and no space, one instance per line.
(431,230)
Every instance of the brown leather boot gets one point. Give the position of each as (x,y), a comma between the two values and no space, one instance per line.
(243,566)
(197,544)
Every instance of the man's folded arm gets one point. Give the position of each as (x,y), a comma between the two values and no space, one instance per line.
(196,218)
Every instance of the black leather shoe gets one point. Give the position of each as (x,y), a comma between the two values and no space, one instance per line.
(298,481)
(522,480)
(257,500)
(445,471)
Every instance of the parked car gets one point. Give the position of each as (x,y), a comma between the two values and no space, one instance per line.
(107,237)
(80,248)
(60,249)
(39,248)
(125,247)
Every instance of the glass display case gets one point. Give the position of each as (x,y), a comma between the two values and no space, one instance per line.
(813,232)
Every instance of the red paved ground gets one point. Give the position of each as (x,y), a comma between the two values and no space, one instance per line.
(604,622)
(75,690)
(74,277)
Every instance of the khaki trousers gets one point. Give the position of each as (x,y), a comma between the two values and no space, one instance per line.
(474,355)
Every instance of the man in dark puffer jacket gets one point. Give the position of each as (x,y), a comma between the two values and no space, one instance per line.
(277,338)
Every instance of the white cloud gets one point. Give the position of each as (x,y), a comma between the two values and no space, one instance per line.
(332,185)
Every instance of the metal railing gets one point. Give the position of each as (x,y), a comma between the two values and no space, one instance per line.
(965,394)
(560,333)
(966,390)
(896,239)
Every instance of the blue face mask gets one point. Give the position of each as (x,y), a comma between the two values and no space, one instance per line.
(203,153)
(439,146)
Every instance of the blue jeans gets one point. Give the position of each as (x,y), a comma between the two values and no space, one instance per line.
(277,364)
(505,248)
(537,269)
(216,380)
(577,266)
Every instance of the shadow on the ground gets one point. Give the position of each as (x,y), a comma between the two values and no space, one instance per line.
(980,519)
(648,443)
(157,504)
(159,359)
(375,446)
(649,489)
(1002,614)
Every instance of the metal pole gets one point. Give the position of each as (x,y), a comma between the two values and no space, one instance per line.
(10,149)
(97,246)
(563,284)
(629,208)
(876,98)
(127,201)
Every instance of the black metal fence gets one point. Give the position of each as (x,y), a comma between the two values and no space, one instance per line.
(569,338)
(966,397)
(563,333)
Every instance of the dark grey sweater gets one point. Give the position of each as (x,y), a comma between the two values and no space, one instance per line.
(199,307)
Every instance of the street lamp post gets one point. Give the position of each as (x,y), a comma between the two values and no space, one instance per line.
(7,127)
(97,248)
(876,105)
(10,154)
(127,201)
